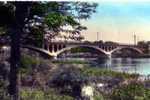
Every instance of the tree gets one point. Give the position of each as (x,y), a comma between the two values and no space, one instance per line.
(49,19)
(60,15)
(144,46)
(17,16)
(13,16)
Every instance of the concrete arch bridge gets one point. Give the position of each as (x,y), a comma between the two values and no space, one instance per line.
(57,48)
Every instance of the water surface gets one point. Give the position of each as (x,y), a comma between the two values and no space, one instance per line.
(128,65)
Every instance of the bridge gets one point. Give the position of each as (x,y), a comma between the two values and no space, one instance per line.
(54,49)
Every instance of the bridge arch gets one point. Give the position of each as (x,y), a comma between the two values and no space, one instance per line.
(83,46)
(39,50)
(131,48)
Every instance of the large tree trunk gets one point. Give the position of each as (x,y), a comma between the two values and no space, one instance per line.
(16,29)
(15,64)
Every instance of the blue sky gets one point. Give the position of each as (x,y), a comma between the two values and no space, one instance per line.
(118,21)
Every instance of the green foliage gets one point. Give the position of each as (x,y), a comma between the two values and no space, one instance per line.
(79,49)
(54,20)
(71,21)
(6,12)
(35,39)
(147,93)
(27,64)
(70,62)
(3,90)
(68,81)
(2,30)
(38,8)
(101,72)
(58,14)
(98,96)
(36,94)
(132,91)
(68,77)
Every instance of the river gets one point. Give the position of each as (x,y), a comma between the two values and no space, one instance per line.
(128,65)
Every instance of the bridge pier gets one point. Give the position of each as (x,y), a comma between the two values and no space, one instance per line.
(55,57)
(53,49)
(109,55)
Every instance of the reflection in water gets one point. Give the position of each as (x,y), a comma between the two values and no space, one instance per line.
(129,65)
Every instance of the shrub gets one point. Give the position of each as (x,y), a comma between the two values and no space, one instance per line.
(98,96)
(132,91)
(68,80)
(3,90)
(27,63)
(35,94)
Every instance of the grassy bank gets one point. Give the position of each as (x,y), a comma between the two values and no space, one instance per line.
(38,94)
(70,62)
(95,71)
(135,91)
(41,72)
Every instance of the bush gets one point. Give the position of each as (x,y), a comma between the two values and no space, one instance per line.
(98,96)
(27,63)
(132,91)
(3,90)
(68,80)
(27,94)
(35,72)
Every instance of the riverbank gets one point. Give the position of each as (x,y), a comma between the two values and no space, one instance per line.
(42,79)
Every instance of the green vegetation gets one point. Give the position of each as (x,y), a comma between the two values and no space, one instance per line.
(95,71)
(98,96)
(2,30)
(23,16)
(70,62)
(35,39)
(27,64)
(64,80)
(79,49)
(35,94)
(3,90)
(132,91)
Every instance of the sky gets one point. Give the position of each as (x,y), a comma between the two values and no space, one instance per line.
(118,21)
